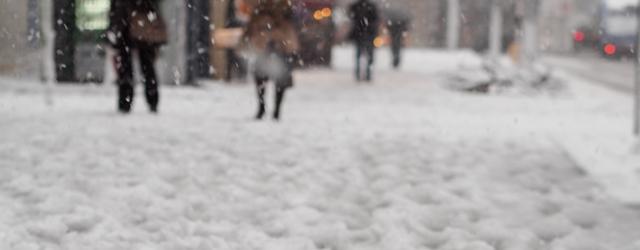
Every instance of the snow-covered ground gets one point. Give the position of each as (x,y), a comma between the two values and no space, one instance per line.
(400,164)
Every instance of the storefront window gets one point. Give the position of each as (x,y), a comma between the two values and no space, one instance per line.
(92,15)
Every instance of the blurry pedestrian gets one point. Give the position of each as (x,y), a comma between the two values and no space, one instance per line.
(398,25)
(136,26)
(272,37)
(364,29)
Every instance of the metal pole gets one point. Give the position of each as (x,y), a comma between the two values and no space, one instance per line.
(48,71)
(636,109)
(495,34)
(179,40)
(453,24)
(530,32)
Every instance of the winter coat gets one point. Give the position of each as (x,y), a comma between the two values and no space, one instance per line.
(364,20)
(271,28)
(397,21)
(118,32)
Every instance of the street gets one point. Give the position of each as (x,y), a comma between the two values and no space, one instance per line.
(616,74)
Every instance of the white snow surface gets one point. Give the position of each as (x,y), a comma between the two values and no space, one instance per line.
(402,163)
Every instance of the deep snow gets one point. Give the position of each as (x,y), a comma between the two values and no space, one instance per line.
(400,164)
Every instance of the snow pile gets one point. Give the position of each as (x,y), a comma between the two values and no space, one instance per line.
(503,76)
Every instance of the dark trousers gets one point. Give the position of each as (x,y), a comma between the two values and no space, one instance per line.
(279,97)
(124,68)
(282,83)
(364,49)
(396,48)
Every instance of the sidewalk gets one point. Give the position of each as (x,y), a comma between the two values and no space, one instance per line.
(601,139)
(403,163)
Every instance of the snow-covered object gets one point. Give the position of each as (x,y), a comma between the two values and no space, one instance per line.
(503,76)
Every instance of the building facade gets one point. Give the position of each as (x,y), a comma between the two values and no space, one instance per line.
(19,38)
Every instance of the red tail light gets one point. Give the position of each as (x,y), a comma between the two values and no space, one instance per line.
(610,49)
(578,36)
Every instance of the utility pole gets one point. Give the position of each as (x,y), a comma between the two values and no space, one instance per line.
(453,24)
(178,42)
(636,109)
(48,65)
(495,33)
(530,30)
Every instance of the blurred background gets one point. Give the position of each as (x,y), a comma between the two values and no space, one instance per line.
(496,132)
(596,29)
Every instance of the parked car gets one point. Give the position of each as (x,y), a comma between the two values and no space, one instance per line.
(618,28)
(586,38)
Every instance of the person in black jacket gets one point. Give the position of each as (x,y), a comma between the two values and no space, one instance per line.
(364,29)
(121,37)
(398,24)
(272,36)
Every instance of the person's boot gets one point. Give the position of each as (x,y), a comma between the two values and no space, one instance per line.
(153,109)
(260,113)
(124,105)
(358,75)
(260,89)
(279,98)
(396,62)
(153,98)
(123,109)
(125,97)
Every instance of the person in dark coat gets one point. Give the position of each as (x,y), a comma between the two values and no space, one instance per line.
(397,24)
(364,29)
(272,37)
(121,36)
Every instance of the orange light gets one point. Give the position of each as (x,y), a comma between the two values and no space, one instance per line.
(610,49)
(326,12)
(378,42)
(318,15)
